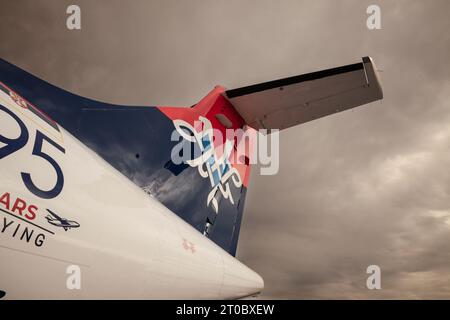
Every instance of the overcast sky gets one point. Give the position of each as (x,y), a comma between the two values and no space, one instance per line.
(366,186)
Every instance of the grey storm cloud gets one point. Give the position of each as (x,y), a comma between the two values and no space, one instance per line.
(366,186)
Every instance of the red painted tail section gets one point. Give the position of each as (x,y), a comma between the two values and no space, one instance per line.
(222,115)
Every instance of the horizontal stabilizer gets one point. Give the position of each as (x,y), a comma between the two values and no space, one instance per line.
(284,103)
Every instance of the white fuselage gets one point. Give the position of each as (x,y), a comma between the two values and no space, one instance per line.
(127,245)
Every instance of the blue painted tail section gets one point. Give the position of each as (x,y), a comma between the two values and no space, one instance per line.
(137,142)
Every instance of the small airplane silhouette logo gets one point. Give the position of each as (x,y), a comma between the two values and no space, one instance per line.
(56,220)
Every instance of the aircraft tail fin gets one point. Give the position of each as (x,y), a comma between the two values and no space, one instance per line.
(137,141)
(208,188)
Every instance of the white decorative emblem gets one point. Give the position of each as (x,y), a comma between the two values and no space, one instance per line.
(218,169)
